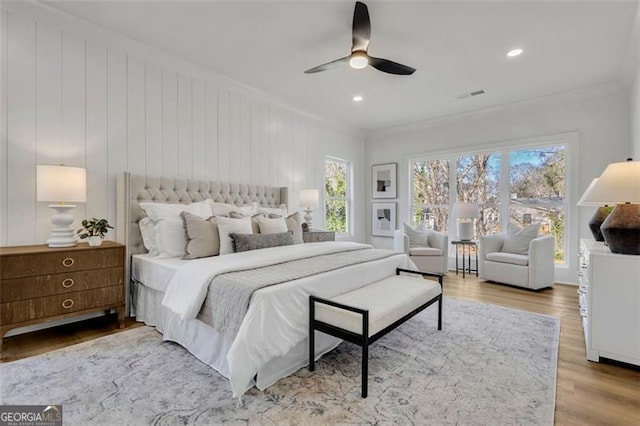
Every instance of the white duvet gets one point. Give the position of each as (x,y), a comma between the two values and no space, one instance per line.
(277,319)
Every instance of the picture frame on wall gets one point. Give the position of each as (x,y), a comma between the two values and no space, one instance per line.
(383,219)
(384,180)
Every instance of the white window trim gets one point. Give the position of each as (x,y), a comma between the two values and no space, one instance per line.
(348,198)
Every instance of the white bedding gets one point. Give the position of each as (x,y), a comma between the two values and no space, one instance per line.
(155,272)
(271,342)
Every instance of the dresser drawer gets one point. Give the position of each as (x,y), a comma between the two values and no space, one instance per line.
(43,307)
(48,285)
(29,265)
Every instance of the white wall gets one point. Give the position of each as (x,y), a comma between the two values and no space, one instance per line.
(635,117)
(598,118)
(77,94)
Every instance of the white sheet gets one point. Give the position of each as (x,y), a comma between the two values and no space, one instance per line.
(189,285)
(155,272)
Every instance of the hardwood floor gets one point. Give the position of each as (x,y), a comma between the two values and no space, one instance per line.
(587,393)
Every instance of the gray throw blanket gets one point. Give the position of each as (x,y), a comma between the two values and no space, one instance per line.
(230,293)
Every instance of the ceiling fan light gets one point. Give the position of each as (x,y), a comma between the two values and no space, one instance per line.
(358,60)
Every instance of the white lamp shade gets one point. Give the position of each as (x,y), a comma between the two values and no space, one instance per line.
(465,211)
(618,184)
(61,184)
(583,200)
(309,199)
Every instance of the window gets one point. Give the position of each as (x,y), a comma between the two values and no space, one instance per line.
(430,194)
(337,195)
(512,187)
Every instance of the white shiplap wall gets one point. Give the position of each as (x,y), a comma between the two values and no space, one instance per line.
(77,95)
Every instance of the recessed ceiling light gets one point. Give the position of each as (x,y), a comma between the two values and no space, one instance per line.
(357,98)
(514,52)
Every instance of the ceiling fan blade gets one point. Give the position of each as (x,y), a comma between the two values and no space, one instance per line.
(390,67)
(361,27)
(327,66)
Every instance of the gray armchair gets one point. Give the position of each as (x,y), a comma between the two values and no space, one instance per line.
(434,258)
(534,270)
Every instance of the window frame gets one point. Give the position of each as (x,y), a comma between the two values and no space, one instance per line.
(348,198)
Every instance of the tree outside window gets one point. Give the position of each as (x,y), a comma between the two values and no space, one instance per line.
(336,196)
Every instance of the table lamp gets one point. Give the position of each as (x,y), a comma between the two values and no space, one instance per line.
(465,213)
(600,215)
(620,184)
(309,201)
(61,184)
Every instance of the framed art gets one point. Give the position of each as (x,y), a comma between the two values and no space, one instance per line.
(383,219)
(383,178)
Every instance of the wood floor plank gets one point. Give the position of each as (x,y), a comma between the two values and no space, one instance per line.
(587,393)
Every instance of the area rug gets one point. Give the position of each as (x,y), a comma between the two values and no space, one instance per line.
(489,365)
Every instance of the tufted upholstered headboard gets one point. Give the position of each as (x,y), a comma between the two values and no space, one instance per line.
(133,189)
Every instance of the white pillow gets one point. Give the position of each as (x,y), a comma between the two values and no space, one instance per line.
(518,242)
(170,239)
(227,225)
(272,226)
(270,210)
(417,237)
(223,209)
(148,235)
(166,211)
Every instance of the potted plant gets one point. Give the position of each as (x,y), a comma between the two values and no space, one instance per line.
(95,230)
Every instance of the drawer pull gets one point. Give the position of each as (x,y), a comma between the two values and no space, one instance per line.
(320,238)
(67,282)
(67,304)
(68,262)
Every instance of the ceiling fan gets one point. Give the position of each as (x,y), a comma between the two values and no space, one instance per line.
(359,58)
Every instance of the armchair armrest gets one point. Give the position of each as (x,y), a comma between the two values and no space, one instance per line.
(438,240)
(541,261)
(400,241)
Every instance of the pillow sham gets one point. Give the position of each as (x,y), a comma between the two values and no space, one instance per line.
(167,211)
(228,225)
(294,224)
(417,237)
(203,239)
(148,235)
(223,209)
(518,242)
(272,225)
(169,238)
(246,242)
(280,211)
(255,227)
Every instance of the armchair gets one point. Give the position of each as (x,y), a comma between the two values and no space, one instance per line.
(428,259)
(533,271)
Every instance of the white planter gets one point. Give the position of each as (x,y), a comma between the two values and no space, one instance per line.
(95,241)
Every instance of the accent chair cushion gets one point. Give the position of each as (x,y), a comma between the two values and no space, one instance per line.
(511,258)
(424,251)
(518,242)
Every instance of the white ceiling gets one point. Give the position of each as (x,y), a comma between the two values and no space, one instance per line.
(456,46)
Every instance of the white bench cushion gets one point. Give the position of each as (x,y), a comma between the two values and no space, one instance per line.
(425,251)
(387,300)
(514,259)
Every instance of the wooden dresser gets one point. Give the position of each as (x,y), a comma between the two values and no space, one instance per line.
(39,284)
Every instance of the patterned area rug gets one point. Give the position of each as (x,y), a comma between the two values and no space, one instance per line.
(489,365)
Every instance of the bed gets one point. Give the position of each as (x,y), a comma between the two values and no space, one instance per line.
(269,341)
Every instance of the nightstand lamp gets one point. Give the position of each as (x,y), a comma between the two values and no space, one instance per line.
(309,201)
(61,184)
(600,215)
(465,213)
(620,184)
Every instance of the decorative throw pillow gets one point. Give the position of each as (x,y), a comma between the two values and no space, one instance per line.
(148,235)
(254,220)
(294,224)
(169,238)
(203,239)
(281,211)
(246,242)
(518,242)
(228,225)
(272,225)
(223,209)
(417,237)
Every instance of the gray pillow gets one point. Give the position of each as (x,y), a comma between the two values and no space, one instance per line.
(417,237)
(203,238)
(518,242)
(246,242)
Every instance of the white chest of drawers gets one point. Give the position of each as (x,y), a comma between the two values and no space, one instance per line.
(609,295)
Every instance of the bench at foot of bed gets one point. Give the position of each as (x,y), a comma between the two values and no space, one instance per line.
(364,315)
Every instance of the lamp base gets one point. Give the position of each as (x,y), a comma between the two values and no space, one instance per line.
(621,229)
(596,221)
(61,235)
(465,231)
(308,218)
